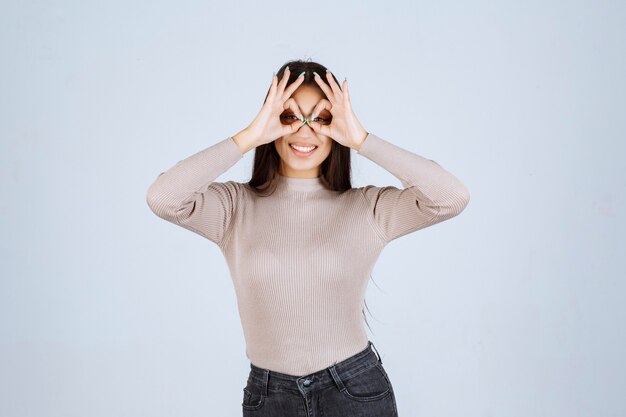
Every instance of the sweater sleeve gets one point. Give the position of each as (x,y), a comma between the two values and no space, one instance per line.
(430,194)
(187,195)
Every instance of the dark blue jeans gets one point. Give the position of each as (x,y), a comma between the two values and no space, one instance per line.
(356,386)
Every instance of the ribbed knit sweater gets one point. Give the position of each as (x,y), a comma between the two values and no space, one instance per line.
(300,259)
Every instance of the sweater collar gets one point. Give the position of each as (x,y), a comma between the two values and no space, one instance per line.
(300,184)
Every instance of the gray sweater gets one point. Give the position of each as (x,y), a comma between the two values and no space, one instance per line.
(300,258)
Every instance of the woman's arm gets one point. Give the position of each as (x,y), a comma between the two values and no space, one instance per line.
(431,194)
(187,196)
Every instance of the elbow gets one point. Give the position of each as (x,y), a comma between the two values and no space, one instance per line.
(454,206)
(152,200)
(163,207)
(463,199)
(460,201)
(169,207)
(151,196)
(158,203)
(155,198)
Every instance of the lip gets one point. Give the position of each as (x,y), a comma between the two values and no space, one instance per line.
(298,153)
(306,145)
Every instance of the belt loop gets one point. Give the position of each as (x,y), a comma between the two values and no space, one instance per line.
(266,375)
(335,375)
(377,354)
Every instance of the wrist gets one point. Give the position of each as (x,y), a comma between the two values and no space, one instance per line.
(361,140)
(245,140)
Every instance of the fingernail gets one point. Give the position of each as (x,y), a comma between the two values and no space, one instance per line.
(316,74)
(301,74)
(273,75)
(301,118)
(287,68)
(313,116)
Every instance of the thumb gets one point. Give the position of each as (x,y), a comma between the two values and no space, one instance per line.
(294,127)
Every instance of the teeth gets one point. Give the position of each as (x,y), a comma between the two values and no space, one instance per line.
(302,149)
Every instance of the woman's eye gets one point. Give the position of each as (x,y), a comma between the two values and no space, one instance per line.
(293,117)
(289,118)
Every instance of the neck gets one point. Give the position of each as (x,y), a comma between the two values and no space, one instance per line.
(300,184)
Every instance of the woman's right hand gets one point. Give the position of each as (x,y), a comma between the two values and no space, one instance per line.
(267,126)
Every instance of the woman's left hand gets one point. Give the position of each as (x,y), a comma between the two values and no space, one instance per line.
(344,127)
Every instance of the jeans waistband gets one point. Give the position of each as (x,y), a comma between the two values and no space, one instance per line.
(333,374)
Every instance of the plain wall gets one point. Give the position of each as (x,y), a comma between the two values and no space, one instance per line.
(514,308)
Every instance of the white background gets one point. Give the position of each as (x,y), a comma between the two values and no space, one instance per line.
(514,308)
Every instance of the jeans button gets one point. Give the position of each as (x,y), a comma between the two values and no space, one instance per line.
(307,382)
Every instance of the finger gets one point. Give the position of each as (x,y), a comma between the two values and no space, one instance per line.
(346,93)
(320,128)
(294,127)
(334,85)
(287,103)
(283,82)
(325,88)
(317,110)
(295,109)
(274,82)
(321,105)
(293,86)
(272,87)
(293,106)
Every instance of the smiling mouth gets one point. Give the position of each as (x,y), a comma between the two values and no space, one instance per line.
(303,150)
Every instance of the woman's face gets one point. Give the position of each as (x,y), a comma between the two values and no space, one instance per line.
(298,164)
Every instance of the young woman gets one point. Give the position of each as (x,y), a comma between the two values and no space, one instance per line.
(300,242)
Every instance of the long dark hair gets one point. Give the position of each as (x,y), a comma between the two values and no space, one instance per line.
(335,170)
